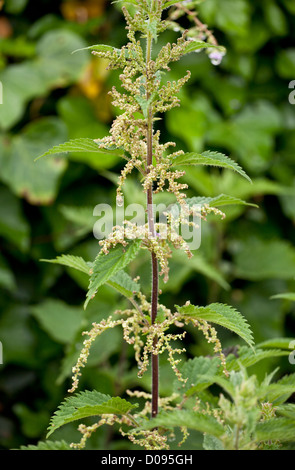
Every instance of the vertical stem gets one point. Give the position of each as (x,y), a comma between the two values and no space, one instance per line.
(151,225)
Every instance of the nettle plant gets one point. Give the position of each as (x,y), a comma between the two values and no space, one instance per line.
(246,415)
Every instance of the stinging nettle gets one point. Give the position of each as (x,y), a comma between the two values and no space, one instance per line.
(144,96)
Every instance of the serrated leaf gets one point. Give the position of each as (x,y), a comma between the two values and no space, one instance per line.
(248,357)
(99,48)
(186,418)
(287,410)
(193,46)
(124,284)
(218,201)
(82,145)
(282,429)
(106,266)
(71,261)
(210,159)
(280,391)
(86,404)
(195,370)
(223,315)
(48,445)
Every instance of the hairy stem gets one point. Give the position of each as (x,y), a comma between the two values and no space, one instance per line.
(151,224)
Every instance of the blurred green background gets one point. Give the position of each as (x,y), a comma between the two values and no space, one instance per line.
(50,95)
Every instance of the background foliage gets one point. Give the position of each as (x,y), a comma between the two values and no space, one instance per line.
(50,96)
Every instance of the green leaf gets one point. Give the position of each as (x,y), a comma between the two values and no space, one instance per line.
(248,357)
(48,445)
(173,2)
(106,266)
(279,392)
(75,262)
(99,48)
(80,116)
(210,159)
(121,281)
(281,429)
(199,264)
(186,418)
(82,145)
(6,276)
(61,321)
(281,343)
(212,443)
(285,63)
(218,201)
(231,16)
(221,314)
(193,45)
(195,370)
(258,259)
(15,7)
(54,67)
(124,284)
(13,225)
(85,404)
(252,134)
(37,183)
(287,410)
(286,295)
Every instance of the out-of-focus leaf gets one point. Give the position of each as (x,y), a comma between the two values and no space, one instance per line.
(252,134)
(285,63)
(6,276)
(59,320)
(201,265)
(54,67)
(36,182)
(15,6)
(265,259)
(282,343)
(33,423)
(275,18)
(17,337)
(285,295)
(13,225)
(231,16)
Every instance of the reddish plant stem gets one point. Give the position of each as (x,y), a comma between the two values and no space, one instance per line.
(152,232)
